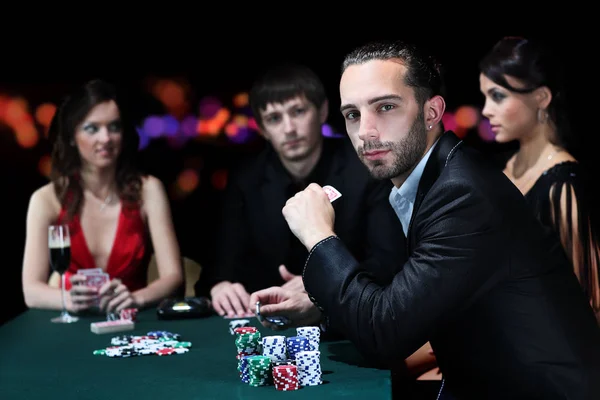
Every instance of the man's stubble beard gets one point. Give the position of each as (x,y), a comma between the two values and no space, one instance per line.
(406,153)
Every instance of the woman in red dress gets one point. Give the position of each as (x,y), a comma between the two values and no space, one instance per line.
(117,216)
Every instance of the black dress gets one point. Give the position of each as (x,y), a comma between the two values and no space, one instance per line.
(580,231)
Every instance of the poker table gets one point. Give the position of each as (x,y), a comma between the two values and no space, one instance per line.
(44,360)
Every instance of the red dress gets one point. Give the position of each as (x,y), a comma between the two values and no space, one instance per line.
(128,259)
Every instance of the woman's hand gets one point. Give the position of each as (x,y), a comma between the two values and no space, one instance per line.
(115,296)
(81,297)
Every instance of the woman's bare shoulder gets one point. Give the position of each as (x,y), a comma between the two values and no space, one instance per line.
(44,201)
(151,185)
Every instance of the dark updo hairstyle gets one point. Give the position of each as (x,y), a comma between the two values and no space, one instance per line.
(534,65)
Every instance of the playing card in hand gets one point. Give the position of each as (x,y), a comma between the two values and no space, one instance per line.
(332,193)
(94,278)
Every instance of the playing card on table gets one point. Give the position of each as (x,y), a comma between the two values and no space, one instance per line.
(332,193)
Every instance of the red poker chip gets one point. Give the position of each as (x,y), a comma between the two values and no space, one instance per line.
(166,352)
(245,329)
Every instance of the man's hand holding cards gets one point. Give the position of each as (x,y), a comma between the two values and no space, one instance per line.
(310,214)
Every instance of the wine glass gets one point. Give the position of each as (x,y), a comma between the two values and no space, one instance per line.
(59,243)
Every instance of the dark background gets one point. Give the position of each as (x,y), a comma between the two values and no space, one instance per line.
(216,65)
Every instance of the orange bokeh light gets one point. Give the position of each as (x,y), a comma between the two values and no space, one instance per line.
(188,180)
(241,120)
(240,100)
(45,165)
(15,112)
(26,135)
(231,129)
(44,114)
(466,117)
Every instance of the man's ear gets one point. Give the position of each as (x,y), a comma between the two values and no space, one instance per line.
(434,109)
(324,111)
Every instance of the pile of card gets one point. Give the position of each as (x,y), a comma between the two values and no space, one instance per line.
(94,277)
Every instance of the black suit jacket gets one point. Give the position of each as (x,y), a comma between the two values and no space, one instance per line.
(496,298)
(254,238)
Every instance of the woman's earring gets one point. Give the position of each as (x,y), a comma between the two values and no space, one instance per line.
(542,115)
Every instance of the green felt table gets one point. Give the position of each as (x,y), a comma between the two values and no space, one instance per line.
(44,360)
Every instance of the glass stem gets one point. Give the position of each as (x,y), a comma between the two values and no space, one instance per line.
(62,292)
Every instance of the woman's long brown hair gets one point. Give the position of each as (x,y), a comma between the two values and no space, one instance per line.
(66,161)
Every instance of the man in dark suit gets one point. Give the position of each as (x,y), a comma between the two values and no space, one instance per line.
(494,294)
(255,246)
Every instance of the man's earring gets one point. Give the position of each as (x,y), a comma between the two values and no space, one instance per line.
(430,126)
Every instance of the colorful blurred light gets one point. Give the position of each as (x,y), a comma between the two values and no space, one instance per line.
(466,116)
(449,121)
(327,131)
(188,126)
(231,129)
(188,180)
(241,120)
(243,135)
(144,138)
(15,112)
(209,106)
(26,135)
(172,95)
(171,125)
(44,114)
(484,130)
(45,165)
(240,100)
(252,124)
(154,126)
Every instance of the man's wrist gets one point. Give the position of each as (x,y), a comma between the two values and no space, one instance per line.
(315,238)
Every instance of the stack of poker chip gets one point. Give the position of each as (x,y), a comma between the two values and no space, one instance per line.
(296,344)
(285,377)
(243,369)
(312,333)
(259,370)
(248,343)
(308,365)
(274,347)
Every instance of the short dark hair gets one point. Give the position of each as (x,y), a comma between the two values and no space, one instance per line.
(424,73)
(282,83)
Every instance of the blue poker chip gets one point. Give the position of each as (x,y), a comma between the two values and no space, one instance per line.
(165,335)
(281,321)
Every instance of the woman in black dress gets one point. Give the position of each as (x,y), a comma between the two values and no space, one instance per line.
(524,102)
